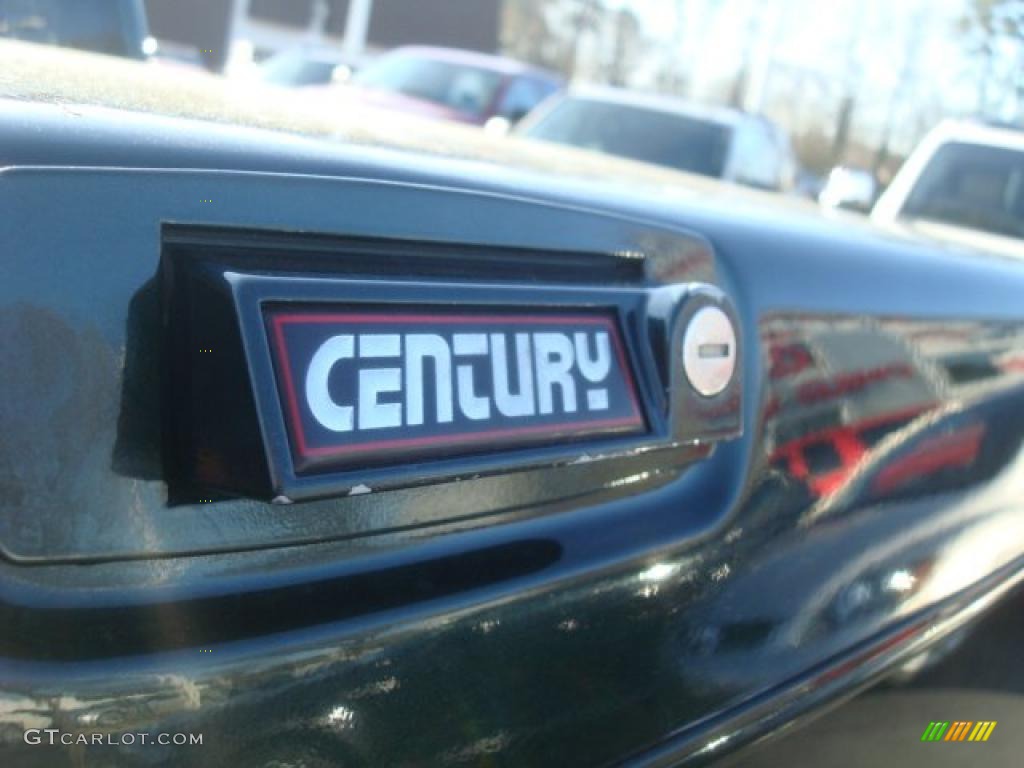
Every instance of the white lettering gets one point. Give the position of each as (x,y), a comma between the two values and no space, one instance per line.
(373,382)
(594,371)
(553,360)
(473,405)
(337,418)
(548,373)
(418,347)
(508,404)
(377,345)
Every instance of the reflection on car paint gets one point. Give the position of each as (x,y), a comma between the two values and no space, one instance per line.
(810,564)
(855,542)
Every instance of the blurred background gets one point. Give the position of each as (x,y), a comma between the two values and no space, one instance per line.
(853,82)
(819,100)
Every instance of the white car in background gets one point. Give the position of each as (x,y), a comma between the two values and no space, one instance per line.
(719,142)
(853,189)
(963,184)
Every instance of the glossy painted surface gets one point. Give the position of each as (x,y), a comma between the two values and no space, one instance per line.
(872,505)
(976,674)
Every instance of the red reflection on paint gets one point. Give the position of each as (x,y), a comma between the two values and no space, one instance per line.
(848,442)
(956,450)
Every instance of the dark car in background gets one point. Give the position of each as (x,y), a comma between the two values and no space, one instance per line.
(449,84)
(116,27)
(722,143)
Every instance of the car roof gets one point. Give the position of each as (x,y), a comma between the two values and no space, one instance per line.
(989,134)
(502,64)
(658,102)
(310,53)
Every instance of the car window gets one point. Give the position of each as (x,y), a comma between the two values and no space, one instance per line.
(638,133)
(756,157)
(92,25)
(971,185)
(522,95)
(297,70)
(462,87)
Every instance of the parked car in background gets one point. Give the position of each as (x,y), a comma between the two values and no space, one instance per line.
(965,183)
(115,27)
(712,141)
(807,183)
(308,65)
(450,84)
(175,55)
(854,189)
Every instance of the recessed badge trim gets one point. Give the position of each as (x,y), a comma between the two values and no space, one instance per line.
(369,387)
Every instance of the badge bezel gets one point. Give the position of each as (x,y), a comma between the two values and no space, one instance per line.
(254,294)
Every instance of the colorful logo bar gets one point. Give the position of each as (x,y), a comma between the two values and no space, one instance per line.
(959,730)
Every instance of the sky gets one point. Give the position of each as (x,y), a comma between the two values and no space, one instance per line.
(806,45)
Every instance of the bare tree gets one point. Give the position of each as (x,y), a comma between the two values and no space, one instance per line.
(628,42)
(529,31)
(908,74)
(585,19)
(988,27)
(548,32)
